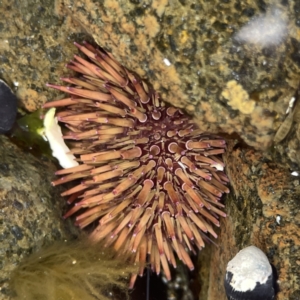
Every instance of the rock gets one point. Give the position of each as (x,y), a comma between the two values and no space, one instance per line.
(194,56)
(205,57)
(30,209)
(263,210)
(8,107)
(32,51)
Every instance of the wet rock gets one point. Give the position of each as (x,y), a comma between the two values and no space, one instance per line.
(8,107)
(192,54)
(263,210)
(206,58)
(31,51)
(30,209)
(200,57)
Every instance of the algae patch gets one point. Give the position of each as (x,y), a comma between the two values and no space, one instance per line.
(72,270)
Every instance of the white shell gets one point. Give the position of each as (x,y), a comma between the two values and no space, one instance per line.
(248,267)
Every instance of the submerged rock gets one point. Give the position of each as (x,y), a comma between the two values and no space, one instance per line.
(30,209)
(233,67)
(263,210)
(8,107)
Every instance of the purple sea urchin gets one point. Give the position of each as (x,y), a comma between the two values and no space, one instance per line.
(150,176)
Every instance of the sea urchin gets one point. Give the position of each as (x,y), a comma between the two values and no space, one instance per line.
(148,174)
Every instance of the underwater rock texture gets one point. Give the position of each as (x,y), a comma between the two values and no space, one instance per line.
(190,54)
(8,104)
(30,209)
(35,45)
(263,210)
(205,57)
(227,86)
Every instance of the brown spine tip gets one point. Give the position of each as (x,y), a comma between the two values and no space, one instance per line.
(58,87)
(77,45)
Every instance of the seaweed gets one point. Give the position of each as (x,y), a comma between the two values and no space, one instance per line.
(72,270)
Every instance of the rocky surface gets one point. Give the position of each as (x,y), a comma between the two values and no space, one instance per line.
(8,104)
(204,57)
(263,210)
(35,46)
(193,56)
(200,57)
(30,209)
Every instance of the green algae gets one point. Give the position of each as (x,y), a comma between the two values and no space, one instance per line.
(28,134)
